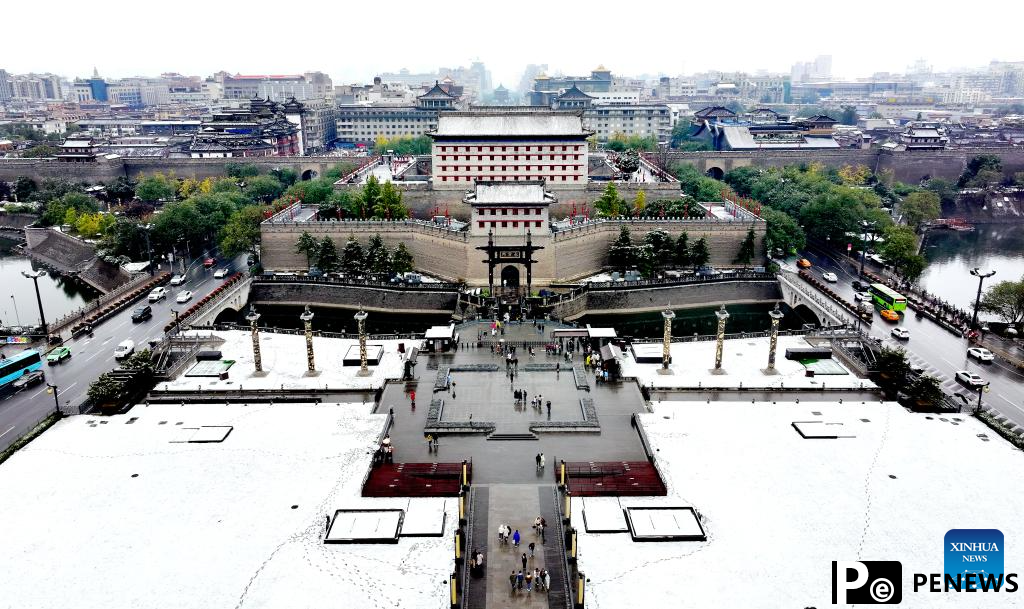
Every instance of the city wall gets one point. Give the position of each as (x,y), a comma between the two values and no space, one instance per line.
(566,256)
(375,299)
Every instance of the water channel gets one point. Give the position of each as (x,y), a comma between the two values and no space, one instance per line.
(951,256)
(18,305)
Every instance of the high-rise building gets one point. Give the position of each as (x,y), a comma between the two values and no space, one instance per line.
(5,86)
(279,87)
(809,71)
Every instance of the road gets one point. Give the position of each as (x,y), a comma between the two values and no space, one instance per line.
(92,356)
(934,348)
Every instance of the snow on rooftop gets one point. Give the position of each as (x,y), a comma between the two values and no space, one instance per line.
(284,361)
(778,509)
(742,361)
(510,124)
(509,193)
(107,512)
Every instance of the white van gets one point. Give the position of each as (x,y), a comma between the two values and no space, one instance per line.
(124,349)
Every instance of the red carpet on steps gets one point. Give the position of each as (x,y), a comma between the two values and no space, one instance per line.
(612,478)
(415,480)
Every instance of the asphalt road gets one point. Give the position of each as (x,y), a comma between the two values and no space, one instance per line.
(92,356)
(934,348)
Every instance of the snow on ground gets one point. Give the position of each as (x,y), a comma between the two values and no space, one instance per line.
(284,361)
(232,524)
(778,508)
(742,361)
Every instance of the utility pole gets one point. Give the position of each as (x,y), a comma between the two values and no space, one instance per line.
(34,276)
(977,301)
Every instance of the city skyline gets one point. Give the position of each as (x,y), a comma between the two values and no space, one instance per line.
(688,49)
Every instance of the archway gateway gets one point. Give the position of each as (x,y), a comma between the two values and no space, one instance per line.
(510,276)
(509,257)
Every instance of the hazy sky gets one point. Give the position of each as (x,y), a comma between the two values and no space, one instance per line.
(354,40)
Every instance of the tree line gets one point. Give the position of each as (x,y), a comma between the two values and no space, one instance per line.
(658,249)
(376,258)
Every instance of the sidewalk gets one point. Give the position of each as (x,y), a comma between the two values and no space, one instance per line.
(517,505)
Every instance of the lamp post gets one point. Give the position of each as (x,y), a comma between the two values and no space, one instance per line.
(360,318)
(252,317)
(773,343)
(307,321)
(149,250)
(34,276)
(56,402)
(722,316)
(666,356)
(977,301)
(863,246)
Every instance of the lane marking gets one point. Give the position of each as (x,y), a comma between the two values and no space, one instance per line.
(6,432)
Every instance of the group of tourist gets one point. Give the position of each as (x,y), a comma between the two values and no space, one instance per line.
(538,577)
(385,452)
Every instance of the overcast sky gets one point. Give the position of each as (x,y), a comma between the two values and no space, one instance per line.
(355,40)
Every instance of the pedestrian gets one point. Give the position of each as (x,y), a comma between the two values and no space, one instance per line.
(547,579)
(519,580)
(549,408)
(515,538)
(501,533)
(543,459)
(541,529)
(532,547)
(512,580)
(537,459)
(524,561)
(536,578)
(529,581)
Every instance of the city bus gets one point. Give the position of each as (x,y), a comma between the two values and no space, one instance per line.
(12,368)
(887,298)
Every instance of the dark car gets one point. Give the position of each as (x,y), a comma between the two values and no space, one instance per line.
(142,313)
(857,285)
(28,379)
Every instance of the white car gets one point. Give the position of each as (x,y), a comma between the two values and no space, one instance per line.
(184,296)
(157,294)
(862,296)
(124,349)
(981,354)
(829,276)
(177,280)
(966,377)
(900,333)
(221,273)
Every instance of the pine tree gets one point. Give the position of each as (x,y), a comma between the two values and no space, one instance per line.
(621,253)
(389,204)
(683,250)
(746,249)
(377,258)
(401,260)
(609,203)
(307,245)
(371,193)
(327,255)
(352,258)
(699,254)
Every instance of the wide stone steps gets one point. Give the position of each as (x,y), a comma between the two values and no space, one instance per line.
(512,436)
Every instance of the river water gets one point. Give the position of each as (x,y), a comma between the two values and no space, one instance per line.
(18,296)
(951,256)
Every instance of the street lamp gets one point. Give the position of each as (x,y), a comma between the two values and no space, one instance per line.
(977,302)
(34,276)
(666,353)
(56,402)
(149,251)
(360,318)
(722,316)
(307,322)
(252,317)
(863,246)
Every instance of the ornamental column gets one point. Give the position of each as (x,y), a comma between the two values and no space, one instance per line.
(773,343)
(252,317)
(307,321)
(360,318)
(722,316)
(666,356)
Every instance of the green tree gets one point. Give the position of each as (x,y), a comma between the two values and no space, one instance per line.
(609,204)
(893,370)
(308,246)
(327,255)
(38,152)
(126,238)
(312,192)
(352,258)
(699,253)
(106,389)
(371,192)
(141,361)
(402,260)
(848,116)
(242,171)
(336,172)
(285,175)
(645,259)
(697,185)
(1005,299)
(925,389)
(621,253)
(242,231)
(389,204)
(628,162)
(985,166)
(156,187)
(263,189)
(747,248)
(121,190)
(23,188)
(682,253)
(178,222)
(920,206)
(662,248)
(900,250)
(56,211)
(378,259)
(639,203)
(781,232)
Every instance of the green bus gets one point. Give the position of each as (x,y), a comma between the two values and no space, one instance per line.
(887,298)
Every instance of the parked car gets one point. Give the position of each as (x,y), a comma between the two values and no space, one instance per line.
(183,296)
(58,355)
(900,333)
(209,262)
(221,273)
(124,349)
(157,294)
(28,379)
(142,313)
(829,276)
(981,354)
(804,263)
(889,315)
(966,377)
(177,280)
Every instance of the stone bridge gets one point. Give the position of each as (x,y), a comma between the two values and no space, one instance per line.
(233,298)
(796,293)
